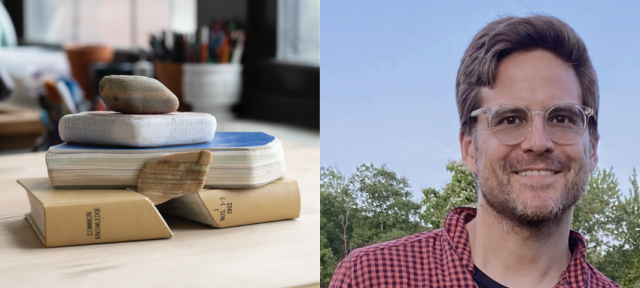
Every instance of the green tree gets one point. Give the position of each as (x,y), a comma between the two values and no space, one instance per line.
(373,206)
(593,215)
(610,224)
(622,263)
(328,259)
(338,205)
(461,191)
(385,200)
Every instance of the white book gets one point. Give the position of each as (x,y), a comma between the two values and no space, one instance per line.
(137,130)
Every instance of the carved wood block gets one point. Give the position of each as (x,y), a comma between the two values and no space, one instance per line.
(174,175)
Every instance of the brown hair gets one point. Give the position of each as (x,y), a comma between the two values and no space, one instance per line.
(502,37)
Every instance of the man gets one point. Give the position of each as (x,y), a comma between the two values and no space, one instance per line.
(527,96)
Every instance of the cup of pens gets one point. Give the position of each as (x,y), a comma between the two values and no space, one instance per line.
(211,69)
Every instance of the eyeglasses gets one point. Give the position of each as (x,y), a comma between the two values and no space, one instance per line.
(511,123)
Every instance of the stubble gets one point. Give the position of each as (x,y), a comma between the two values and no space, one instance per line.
(542,212)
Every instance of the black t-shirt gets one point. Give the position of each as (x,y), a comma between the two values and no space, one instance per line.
(485,281)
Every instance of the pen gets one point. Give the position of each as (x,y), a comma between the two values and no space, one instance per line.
(204,44)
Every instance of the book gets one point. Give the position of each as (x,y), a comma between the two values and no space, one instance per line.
(137,130)
(221,208)
(76,217)
(239,160)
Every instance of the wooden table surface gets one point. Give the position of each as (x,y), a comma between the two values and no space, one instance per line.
(276,254)
(19,127)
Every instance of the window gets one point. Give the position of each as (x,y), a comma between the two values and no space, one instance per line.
(299,31)
(119,23)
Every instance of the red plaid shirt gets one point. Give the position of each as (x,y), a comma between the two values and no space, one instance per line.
(442,258)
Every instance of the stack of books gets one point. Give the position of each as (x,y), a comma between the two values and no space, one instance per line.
(90,195)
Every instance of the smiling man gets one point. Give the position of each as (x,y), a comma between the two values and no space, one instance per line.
(527,96)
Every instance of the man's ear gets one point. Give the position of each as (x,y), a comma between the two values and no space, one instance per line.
(468,151)
(593,153)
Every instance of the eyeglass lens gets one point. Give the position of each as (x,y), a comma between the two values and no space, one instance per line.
(564,124)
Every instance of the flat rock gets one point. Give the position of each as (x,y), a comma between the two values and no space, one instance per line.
(137,95)
(174,175)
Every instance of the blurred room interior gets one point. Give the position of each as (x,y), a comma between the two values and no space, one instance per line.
(272,48)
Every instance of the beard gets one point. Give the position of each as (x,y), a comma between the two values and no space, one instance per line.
(542,206)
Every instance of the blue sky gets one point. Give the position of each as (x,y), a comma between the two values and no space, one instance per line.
(388,80)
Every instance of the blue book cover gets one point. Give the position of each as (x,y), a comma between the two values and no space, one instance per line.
(221,140)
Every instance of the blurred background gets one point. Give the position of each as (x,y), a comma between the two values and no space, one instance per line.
(243,59)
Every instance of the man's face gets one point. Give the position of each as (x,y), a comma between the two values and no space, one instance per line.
(508,175)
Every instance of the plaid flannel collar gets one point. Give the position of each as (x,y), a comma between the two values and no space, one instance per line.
(456,240)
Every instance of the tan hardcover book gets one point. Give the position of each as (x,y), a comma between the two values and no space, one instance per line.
(223,208)
(75,217)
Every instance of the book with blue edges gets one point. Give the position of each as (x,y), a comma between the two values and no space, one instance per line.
(239,160)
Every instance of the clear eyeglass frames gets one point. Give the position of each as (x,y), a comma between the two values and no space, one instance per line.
(511,123)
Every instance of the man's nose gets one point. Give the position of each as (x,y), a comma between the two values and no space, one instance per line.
(537,140)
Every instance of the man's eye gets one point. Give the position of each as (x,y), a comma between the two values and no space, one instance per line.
(564,120)
(510,120)
(560,119)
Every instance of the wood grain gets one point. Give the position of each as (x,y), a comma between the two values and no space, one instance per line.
(174,175)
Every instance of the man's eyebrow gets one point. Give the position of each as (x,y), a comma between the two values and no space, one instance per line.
(507,109)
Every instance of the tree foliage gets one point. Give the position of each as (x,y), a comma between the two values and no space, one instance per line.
(461,191)
(384,198)
(373,205)
(593,215)
(337,206)
(620,261)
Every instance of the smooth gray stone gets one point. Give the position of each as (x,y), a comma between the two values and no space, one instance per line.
(137,95)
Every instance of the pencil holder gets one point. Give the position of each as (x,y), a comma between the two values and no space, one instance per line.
(81,57)
(212,88)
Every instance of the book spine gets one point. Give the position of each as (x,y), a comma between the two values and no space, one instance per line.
(234,207)
(102,222)
(36,217)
